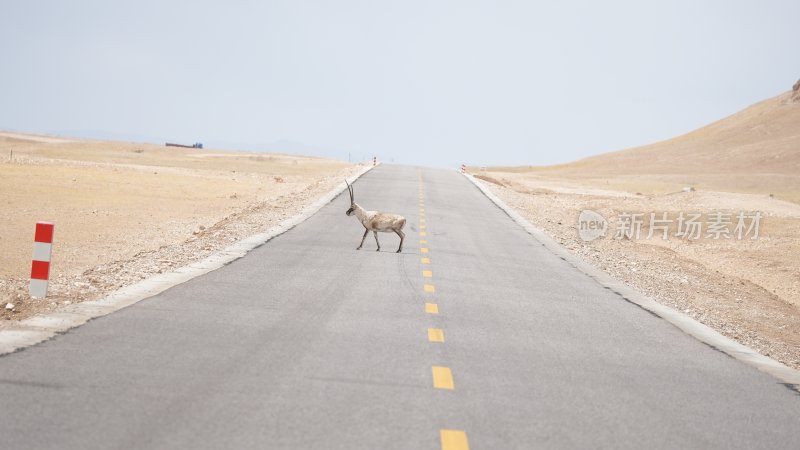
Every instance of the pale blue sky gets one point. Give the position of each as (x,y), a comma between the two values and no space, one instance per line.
(423,82)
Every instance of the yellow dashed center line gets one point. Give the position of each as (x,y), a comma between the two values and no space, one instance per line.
(442,378)
(435,335)
(453,440)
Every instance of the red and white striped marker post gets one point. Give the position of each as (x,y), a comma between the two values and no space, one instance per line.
(40,268)
(463,168)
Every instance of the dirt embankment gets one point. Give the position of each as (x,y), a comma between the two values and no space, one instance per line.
(126,211)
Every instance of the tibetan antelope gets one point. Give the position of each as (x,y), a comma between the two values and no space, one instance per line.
(376,221)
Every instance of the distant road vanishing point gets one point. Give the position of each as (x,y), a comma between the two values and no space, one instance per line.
(476,336)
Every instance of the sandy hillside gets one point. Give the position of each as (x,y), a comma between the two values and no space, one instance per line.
(124,211)
(748,289)
(752,151)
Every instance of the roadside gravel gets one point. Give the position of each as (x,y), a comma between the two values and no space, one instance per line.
(734,305)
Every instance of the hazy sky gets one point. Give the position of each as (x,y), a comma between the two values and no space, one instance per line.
(424,82)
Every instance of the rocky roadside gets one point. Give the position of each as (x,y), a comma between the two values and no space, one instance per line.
(103,279)
(735,307)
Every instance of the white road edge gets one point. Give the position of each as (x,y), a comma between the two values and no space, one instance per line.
(42,327)
(685,323)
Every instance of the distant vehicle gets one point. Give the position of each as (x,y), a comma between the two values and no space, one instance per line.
(195,145)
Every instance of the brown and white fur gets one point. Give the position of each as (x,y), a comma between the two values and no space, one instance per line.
(376,221)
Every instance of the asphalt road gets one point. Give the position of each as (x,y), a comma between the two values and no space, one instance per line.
(308,343)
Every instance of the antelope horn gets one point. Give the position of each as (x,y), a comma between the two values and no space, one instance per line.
(349,189)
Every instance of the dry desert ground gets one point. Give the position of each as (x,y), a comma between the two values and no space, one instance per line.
(747,289)
(125,211)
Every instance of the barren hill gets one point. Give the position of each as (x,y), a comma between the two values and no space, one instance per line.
(764,137)
(756,150)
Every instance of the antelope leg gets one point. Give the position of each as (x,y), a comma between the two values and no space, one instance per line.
(366,230)
(376,241)
(402,237)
